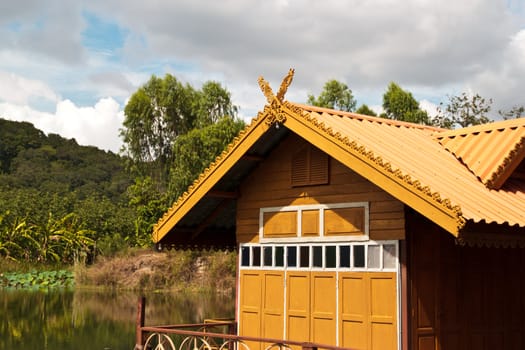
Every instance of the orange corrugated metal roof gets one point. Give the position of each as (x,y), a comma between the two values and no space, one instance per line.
(491,151)
(435,171)
(416,152)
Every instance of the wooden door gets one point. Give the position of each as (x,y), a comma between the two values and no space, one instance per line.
(368,310)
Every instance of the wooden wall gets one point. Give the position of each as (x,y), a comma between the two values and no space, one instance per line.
(270,185)
(463,297)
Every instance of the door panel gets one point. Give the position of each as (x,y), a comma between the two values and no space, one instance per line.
(298,306)
(383,310)
(250,306)
(353,331)
(273,307)
(323,306)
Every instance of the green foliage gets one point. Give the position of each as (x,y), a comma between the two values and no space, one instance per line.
(62,240)
(160,111)
(364,109)
(197,149)
(171,132)
(513,113)
(463,110)
(14,137)
(335,95)
(214,102)
(37,279)
(401,105)
(149,204)
(57,199)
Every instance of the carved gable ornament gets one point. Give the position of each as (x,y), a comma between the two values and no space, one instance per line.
(275,106)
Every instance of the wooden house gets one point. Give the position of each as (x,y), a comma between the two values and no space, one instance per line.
(364,232)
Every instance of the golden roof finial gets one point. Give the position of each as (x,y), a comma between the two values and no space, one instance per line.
(287,80)
(267,90)
(275,108)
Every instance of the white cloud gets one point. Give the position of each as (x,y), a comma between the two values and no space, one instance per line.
(18,90)
(430,107)
(97,125)
(427,45)
(505,82)
(94,126)
(431,48)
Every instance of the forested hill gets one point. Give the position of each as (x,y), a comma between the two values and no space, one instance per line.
(51,163)
(59,199)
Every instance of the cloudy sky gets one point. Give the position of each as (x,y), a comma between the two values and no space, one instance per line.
(69,66)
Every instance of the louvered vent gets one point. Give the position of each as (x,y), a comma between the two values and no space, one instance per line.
(310,166)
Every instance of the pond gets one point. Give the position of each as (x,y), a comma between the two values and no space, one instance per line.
(94,319)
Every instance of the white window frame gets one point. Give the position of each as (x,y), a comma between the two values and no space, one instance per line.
(323,246)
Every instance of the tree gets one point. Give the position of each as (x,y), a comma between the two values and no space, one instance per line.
(154,116)
(14,137)
(513,113)
(214,103)
(401,105)
(463,110)
(364,109)
(149,205)
(197,149)
(335,95)
(159,112)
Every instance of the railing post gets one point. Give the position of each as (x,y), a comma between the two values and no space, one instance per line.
(308,346)
(141,316)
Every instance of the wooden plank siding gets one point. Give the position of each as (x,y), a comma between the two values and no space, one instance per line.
(463,297)
(270,186)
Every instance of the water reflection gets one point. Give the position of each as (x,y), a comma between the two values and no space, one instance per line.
(94,319)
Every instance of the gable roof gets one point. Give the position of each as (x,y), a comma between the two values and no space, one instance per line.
(404,159)
(491,151)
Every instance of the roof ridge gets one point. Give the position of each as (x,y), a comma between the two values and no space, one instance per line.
(358,116)
(496,166)
(496,125)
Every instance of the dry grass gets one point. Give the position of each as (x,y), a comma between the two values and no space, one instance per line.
(171,270)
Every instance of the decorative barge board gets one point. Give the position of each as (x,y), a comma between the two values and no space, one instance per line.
(367,233)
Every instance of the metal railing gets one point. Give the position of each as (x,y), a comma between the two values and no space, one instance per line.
(207,336)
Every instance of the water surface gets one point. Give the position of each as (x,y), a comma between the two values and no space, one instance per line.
(93,319)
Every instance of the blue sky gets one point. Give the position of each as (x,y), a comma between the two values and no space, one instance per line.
(69,67)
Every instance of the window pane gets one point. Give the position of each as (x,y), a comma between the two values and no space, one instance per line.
(389,256)
(344,256)
(330,256)
(291,258)
(359,256)
(256,251)
(305,257)
(245,256)
(373,258)
(318,256)
(267,251)
(279,256)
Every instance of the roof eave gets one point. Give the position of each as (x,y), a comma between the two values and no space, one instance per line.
(211,175)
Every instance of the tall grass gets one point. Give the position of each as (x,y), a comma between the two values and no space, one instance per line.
(184,270)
